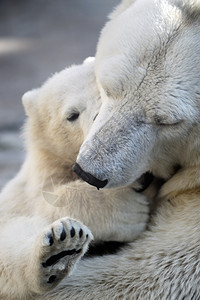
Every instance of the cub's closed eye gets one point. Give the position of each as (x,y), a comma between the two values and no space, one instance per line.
(73,117)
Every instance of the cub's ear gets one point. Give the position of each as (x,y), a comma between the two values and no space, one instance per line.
(29,101)
(124,4)
(89,60)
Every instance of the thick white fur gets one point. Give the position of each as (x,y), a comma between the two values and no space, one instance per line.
(150,116)
(152,98)
(163,264)
(46,189)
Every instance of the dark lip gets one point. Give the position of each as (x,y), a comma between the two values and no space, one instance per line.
(89,178)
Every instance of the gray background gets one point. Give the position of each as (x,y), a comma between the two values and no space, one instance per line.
(37,38)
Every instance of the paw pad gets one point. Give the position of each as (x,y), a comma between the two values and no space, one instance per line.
(64,242)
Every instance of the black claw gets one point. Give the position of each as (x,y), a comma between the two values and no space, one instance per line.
(72,232)
(145,180)
(44,265)
(63,235)
(86,236)
(80,232)
(51,241)
(51,279)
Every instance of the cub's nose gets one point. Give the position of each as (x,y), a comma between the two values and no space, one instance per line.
(89,178)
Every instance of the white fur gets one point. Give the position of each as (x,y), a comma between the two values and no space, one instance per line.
(163,264)
(35,204)
(152,97)
(148,71)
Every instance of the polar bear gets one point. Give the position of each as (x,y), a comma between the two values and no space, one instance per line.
(149,120)
(40,238)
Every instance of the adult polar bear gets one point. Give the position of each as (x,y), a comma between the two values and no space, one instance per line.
(149,121)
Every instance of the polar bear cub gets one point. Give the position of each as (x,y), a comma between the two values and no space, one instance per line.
(40,237)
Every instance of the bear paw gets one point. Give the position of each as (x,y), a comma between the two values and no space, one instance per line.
(63,244)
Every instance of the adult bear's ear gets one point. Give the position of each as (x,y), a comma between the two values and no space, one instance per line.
(29,101)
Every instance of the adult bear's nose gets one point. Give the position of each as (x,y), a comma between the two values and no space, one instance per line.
(89,178)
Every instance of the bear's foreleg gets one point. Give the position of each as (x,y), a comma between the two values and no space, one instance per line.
(32,260)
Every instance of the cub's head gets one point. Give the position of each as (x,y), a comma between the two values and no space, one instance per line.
(61,112)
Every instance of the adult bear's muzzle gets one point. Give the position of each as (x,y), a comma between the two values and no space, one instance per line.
(88,177)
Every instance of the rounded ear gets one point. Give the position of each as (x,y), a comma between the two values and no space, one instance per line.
(120,8)
(89,60)
(29,101)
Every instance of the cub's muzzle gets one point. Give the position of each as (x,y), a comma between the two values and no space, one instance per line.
(89,178)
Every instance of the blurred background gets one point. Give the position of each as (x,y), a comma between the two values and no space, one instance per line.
(38,38)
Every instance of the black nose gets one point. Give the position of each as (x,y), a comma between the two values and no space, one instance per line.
(88,177)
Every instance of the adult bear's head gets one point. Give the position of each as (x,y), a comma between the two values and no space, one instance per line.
(148,71)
